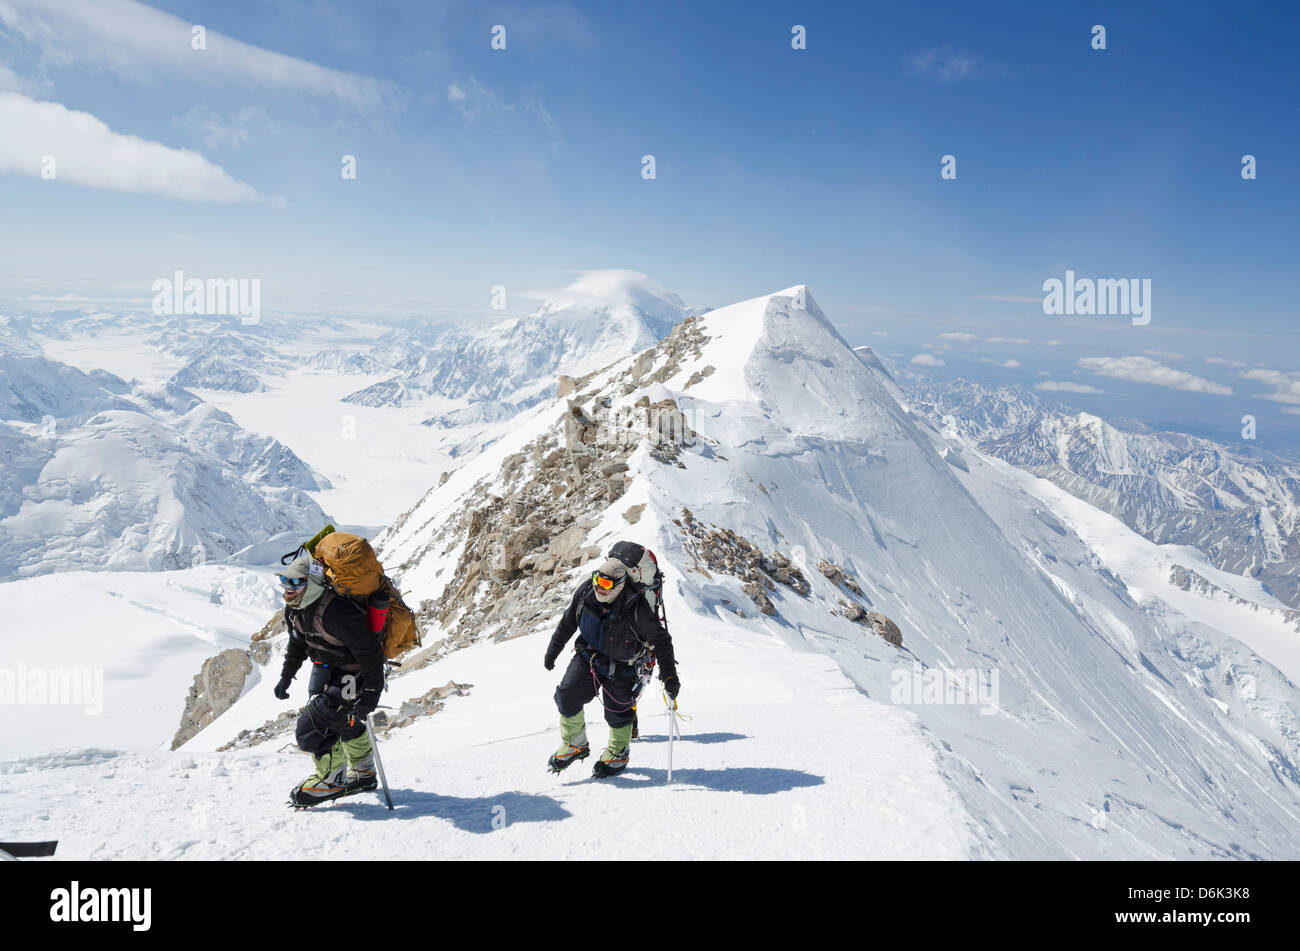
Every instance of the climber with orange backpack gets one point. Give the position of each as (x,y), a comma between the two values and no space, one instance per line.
(348,618)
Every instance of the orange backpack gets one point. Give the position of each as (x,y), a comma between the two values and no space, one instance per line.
(354,571)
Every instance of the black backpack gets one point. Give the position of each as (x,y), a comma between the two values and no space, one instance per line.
(644,574)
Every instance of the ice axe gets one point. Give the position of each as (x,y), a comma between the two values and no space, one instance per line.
(379,764)
(674,732)
(374,743)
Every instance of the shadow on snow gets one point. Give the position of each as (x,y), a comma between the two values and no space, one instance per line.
(753,780)
(695,738)
(467,814)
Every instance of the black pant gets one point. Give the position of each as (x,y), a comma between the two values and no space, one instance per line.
(577,688)
(327,718)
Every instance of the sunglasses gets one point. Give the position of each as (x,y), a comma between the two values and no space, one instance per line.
(294,583)
(603,582)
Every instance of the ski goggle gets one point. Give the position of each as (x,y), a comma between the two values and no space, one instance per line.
(293,583)
(604,582)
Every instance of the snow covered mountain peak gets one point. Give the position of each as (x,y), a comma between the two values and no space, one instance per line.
(608,287)
(796,365)
(599,318)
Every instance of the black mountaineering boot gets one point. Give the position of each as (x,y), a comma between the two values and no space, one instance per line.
(567,755)
(612,763)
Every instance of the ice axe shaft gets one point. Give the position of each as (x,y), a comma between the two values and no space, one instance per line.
(672,735)
(379,763)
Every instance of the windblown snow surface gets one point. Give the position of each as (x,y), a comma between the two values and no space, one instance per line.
(1132,717)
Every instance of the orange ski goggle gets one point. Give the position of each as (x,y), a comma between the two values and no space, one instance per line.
(603,582)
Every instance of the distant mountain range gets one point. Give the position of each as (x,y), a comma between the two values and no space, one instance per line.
(1240,506)
(100,474)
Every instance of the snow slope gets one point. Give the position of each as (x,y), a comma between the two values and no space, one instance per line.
(377,460)
(141,636)
(471,781)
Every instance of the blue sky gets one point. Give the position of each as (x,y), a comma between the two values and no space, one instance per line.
(519,167)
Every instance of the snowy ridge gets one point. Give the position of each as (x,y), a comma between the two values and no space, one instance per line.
(217,373)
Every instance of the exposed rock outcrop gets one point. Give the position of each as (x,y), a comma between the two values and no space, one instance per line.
(721,550)
(882,625)
(1189,580)
(407,713)
(838,576)
(272,628)
(761,601)
(218,684)
(425,705)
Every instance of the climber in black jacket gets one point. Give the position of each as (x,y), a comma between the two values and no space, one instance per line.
(617,629)
(347,676)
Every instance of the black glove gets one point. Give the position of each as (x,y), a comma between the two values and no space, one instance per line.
(366,703)
(672,685)
(549,662)
(282,688)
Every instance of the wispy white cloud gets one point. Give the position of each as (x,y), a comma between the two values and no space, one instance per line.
(88,152)
(476,103)
(946,64)
(218,131)
(479,104)
(1022,341)
(12,82)
(1065,386)
(1164,354)
(135,40)
(1286,386)
(959,336)
(927,360)
(552,128)
(1146,370)
(1224,362)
